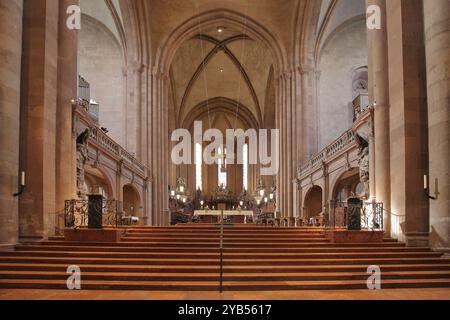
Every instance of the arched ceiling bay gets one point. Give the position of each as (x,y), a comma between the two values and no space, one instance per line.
(100,11)
(334,13)
(225,64)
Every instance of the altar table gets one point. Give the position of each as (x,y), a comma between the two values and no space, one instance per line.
(213,216)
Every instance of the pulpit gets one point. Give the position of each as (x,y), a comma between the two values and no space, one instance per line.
(354,213)
(95,211)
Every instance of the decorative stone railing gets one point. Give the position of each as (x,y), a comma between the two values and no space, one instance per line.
(106,144)
(343,143)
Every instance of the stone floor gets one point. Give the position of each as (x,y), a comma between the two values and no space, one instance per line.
(388,294)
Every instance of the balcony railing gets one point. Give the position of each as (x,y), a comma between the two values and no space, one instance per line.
(104,142)
(328,152)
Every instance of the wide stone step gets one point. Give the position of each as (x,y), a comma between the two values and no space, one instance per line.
(62,267)
(266,240)
(229,244)
(225,235)
(205,255)
(304,276)
(228,285)
(236,226)
(215,249)
(230,262)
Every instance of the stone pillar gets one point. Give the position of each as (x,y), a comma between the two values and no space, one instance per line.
(437,45)
(133,109)
(286,123)
(38,117)
(295,197)
(379,92)
(408,117)
(278,125)
(67,90)
(372,161)
(309,112)
(160,151)
(10,65)
(326,185)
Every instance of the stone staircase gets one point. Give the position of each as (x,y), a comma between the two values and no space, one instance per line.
(186,257)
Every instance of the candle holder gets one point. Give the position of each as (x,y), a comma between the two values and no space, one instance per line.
(21,185)
(427,189)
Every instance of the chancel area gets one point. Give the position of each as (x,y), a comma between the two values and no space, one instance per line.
(224,146)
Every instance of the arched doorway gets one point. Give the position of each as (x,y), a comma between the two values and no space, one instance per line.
(131,201)
(347,184)
(96,182)
(313,202)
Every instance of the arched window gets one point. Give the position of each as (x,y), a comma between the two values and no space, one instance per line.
(245,166)
(198,166)
(222,168)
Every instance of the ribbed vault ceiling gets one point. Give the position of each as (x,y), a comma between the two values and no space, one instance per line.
(225,64)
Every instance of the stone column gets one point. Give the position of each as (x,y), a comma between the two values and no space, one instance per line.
(372,161)
(326,187)
(133,109)
(295,198)
(278,125)
(67,90)
(408,117)
(286,123)
(160,152)
(309,112)
(379,92)
(10,65)
(38,117)
(437,45)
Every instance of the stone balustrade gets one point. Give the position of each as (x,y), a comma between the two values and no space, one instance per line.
(106,144)
(335,149)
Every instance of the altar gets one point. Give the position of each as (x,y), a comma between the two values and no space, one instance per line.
(213,216)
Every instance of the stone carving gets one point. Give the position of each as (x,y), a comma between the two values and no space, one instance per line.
(82,156)
(363,162)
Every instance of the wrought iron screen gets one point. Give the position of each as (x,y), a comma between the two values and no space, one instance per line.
(77,213)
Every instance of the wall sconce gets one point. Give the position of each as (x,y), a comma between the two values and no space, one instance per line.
(426,188)
(21,184)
